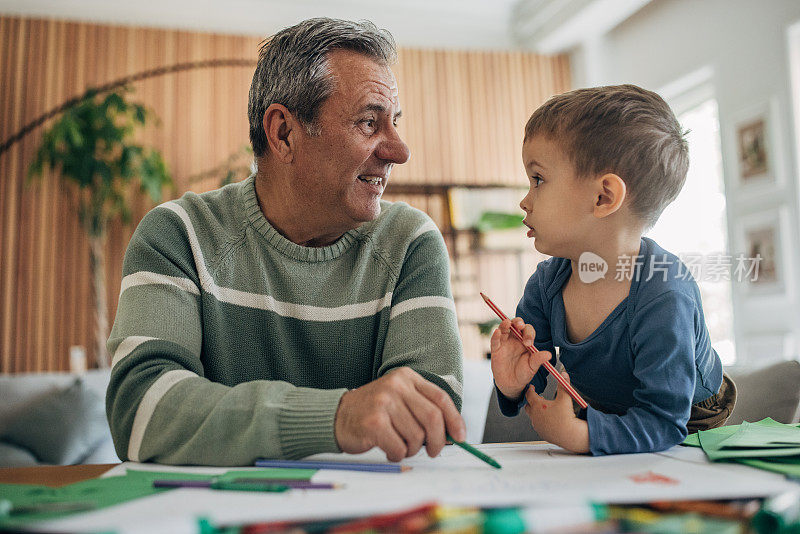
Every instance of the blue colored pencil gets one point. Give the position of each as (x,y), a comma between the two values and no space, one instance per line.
(266,482)
(344,466)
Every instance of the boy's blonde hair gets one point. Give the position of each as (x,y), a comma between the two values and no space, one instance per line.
(625,130)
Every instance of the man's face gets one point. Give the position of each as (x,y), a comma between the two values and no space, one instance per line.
(343,171)
(558,206)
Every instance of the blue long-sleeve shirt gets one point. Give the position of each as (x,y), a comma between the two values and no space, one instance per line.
(648,361)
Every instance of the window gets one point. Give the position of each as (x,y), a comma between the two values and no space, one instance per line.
(694,226)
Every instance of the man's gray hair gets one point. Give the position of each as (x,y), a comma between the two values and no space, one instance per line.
(293,69)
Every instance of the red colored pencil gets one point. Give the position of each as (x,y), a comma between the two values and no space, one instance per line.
(547,365)
(414,520)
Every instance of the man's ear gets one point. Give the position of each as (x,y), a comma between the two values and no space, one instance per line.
(611,192)
(281,128)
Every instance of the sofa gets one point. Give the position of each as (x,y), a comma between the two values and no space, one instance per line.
(54,419)
(59,418)
(771,391)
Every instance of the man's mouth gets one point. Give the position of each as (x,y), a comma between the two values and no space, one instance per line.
(372,180)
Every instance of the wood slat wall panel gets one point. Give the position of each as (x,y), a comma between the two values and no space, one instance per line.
(463,119)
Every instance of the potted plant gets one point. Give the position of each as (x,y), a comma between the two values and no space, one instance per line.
(92,148)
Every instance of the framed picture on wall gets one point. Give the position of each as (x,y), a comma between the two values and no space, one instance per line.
(751,140)
(759,265)
(757,149)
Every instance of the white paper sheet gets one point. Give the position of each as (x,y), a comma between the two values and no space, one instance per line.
(532,475)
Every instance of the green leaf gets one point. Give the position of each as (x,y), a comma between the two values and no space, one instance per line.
(92,144)
(486,328)
(491,220)
(74,134)
(139,113)
(115,100)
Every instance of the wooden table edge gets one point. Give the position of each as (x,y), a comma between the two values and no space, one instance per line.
(52,475)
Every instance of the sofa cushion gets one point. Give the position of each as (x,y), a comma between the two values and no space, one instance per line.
(13,456)
(773,391)
(18,389)
(59,427)
(500,428)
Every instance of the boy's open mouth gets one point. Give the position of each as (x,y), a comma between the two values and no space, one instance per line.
(530,231)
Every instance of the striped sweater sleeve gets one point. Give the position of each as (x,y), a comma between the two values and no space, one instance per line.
(423,330)
(160,406)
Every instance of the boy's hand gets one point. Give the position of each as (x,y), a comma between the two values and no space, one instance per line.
(513,366)
(555,421)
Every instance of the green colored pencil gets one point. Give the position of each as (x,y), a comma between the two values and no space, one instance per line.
(475,452)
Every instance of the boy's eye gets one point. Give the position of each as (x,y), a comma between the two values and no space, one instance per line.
(536,179)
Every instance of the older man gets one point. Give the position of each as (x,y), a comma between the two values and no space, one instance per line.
(294,312)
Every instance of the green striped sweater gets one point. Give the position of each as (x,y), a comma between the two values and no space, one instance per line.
(232,343)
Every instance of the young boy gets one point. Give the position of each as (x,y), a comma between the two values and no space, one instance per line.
(625,314)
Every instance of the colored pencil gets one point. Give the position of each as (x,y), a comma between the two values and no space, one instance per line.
(547,365)
(292,483)
(741,510)
(344,466)
(60,507)
(221,485)
(420,516)
(475,452)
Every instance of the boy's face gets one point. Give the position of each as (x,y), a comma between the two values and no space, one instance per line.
(559,205)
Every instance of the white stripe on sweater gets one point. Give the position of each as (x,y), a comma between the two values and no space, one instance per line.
(143,278)
(148,405)
(429,226)
(303,312)
(422,302)
(127,346)
(453,382)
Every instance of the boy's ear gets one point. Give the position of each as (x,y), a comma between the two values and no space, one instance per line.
(611,192)
(281,128)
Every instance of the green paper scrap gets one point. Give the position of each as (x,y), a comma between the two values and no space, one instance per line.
(266,472)
(682,523)
(692,440)
(785,466)
(753,435)
(713,446)
(108,491)
(766,444)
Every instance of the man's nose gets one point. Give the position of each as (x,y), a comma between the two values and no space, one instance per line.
(393,149)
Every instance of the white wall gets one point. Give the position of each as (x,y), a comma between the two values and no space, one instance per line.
(460,24)
(744,45)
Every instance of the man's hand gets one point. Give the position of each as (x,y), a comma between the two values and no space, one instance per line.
(555,421)
(398,413)
(513,366)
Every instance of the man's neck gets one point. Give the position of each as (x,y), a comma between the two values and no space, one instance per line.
(286,212)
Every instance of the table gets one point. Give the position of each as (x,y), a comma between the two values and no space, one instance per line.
(454,478)
(52,475)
